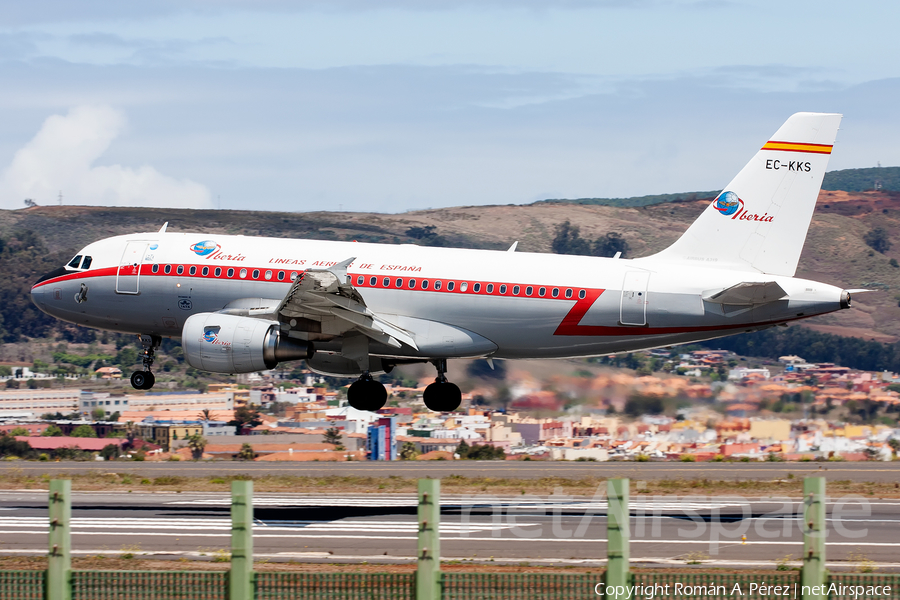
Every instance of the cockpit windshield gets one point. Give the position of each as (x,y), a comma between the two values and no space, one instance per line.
(80,262)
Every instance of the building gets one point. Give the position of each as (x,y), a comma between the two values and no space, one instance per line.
(31,404)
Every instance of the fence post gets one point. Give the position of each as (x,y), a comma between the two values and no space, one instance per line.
(240,578)
(59,565)
(428,572)
(813,573)
(617,534)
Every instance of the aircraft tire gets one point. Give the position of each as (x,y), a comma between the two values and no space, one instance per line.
(442,396)
(142,380)
(367,394)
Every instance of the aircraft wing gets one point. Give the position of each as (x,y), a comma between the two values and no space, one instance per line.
(326,295)
(747,294)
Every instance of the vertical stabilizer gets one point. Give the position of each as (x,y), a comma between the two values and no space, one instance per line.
(759,221)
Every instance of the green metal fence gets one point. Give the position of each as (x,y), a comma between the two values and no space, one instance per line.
(518,586)
(149,585)
(22,585)
(335,586)
(240,582)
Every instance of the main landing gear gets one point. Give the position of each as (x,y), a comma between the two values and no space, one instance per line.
(144,380)
(366,394)
(442,396)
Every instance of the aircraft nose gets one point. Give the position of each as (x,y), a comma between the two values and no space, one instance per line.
(37,290)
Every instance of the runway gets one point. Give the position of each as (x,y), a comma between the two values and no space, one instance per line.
(512,529)
(879,472)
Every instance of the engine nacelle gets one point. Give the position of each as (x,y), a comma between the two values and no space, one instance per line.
(336,365)
(230,344)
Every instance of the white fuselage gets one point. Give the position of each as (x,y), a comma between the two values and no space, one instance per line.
(515,304)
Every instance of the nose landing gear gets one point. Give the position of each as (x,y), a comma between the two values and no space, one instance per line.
(144,380)
(442,396)
(366,394)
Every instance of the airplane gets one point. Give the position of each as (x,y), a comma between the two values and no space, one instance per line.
(244,304)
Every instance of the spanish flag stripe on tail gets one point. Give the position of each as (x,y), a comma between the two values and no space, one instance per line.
(793,147)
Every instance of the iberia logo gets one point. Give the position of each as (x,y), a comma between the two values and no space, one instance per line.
(730,205)
(204,248)
(211,336)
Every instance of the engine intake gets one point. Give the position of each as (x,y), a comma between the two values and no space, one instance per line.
(222,343)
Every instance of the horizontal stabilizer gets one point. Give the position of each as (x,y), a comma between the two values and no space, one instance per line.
(747,294)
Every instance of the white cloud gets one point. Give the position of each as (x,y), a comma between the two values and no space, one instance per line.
(61,157)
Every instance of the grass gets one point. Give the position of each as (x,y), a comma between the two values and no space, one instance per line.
(453,484)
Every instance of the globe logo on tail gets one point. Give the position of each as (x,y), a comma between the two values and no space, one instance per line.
(728,203)
(204,248)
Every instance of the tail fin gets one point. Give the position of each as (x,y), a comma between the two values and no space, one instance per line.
(759,222)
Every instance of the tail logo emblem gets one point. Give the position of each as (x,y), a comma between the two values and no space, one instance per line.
(728,203)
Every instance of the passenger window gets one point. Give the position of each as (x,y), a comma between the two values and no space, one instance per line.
(360,280)
(529,290)
(74,262)
(412,284)
(555,292)
(154,269)
(204,271)
(503,289)
(180,269)
(542,291)
(437,285)
(386,282)
(218,271)
(168,269)
(86,263)
(476,288)
(280,275)
(193,270)
(581,294)
(373,281)
(464,286)
(515,290)
(490,288)
(569,293)
(268,274)
(230,273)
(294,275)
(424,284)
(450,286)
(243,273)
(255,273)
(399,283)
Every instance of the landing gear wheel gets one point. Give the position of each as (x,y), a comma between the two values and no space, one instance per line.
(367,394)
(142,380)
(442,396)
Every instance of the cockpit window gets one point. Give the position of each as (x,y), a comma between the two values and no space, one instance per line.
(86,264)
(75,262)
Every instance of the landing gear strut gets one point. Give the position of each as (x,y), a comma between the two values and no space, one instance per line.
(442,396)
(144,380)
(366,394)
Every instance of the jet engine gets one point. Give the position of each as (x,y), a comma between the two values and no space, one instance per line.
(223,343)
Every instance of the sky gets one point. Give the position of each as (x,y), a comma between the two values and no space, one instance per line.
(395,105)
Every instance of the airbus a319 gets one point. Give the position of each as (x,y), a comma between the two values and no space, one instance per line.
(245,304)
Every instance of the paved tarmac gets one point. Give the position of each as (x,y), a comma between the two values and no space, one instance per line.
(865,471)
(512,529)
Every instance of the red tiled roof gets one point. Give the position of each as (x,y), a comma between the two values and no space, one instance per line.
(55,443)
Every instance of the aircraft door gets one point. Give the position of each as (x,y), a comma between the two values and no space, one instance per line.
(129,273)
(633,306)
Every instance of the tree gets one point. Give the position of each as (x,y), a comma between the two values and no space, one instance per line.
(197,444)
(463,449)
(205,415)
(18,431)
(52,431)
(110,452)
(485,452)
(481,369)
(568,240)
(894,443)
(408,451)
(246,416)
(85,431)
(246,452)
(98,414)
(877,239)
(332,436)
(607,245)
